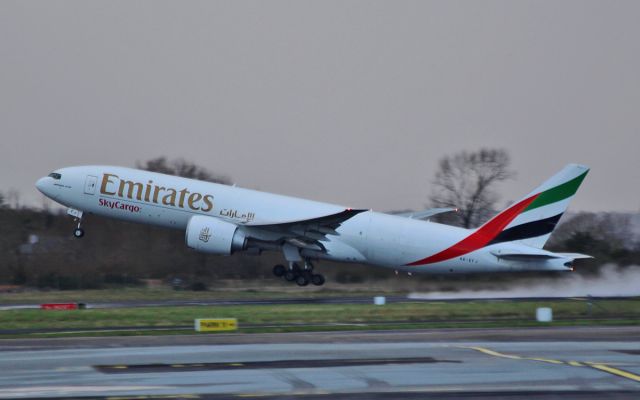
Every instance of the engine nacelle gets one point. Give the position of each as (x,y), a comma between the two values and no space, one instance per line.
(213,235)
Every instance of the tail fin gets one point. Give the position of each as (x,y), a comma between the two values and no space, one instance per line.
(531,220)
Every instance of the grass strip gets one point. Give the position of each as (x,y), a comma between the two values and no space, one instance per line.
(352,316)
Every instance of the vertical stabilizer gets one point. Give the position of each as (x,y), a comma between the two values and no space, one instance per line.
(548,202)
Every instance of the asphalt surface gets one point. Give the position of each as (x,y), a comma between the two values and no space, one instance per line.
(541,363)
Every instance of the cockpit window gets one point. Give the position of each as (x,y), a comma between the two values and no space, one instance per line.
(55,175)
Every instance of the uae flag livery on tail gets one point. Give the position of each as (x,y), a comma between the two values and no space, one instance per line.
(529,221)
(534,225)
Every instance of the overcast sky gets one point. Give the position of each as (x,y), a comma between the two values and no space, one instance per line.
(348,102)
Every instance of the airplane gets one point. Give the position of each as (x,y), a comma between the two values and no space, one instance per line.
(221,219)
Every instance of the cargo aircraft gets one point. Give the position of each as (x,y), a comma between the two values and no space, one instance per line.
(222,219)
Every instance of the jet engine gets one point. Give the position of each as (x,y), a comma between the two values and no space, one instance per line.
(213,235)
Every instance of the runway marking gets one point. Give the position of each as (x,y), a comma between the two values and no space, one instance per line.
(546,360)
(513,356)
(492,353)
(616,371)
(599,366)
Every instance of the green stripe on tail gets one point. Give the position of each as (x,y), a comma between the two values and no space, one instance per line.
(557,193)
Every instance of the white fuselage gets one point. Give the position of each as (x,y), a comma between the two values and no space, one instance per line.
(369,237)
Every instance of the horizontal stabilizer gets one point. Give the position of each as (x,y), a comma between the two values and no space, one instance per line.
(524,256)
(534,254)
(575,256)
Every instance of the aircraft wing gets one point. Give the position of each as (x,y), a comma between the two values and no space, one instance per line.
(426,213)
(308,233)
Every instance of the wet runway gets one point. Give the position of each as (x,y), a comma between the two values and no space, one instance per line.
(584,363)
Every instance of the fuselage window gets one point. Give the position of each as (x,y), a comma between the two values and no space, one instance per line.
(55,175)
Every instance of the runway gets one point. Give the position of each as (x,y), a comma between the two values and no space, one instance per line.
(548,363)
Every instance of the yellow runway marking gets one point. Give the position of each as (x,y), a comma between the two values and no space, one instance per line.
(494,353)
(616,371)
(513,356)
(575,364)
(599,366)
(545,360)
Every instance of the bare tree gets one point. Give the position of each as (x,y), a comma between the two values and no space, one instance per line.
(13,198)
(182,167)
(466,181)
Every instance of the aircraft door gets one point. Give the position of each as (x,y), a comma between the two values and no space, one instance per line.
(90,184)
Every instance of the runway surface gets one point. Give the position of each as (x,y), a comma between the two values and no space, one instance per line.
(543,363)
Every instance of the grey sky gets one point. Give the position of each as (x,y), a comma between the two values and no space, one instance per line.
(348,102)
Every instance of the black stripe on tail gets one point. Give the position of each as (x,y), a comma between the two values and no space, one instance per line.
(527,230)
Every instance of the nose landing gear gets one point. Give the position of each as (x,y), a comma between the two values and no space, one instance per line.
(78,232)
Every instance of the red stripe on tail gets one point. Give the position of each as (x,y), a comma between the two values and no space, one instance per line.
(480,237)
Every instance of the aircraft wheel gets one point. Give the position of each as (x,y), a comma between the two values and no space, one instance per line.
(279,270)
(290,276)
(317,279)
(78,232)
(302,280)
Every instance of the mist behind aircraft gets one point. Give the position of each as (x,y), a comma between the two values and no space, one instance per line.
(611,281)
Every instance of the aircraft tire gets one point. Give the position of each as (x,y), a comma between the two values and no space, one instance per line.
(302,280)
(279,270)
(290,276)
(317,279)
(78,232)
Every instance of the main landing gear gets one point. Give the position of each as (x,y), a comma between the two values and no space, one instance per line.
(301,276)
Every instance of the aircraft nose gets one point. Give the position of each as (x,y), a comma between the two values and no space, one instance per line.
(41,184)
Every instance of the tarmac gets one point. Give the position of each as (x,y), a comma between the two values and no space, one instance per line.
(531,363)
